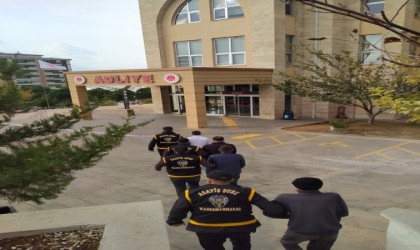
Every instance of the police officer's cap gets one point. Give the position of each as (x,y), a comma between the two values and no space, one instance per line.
(168,128)
(307,183)
(221,175)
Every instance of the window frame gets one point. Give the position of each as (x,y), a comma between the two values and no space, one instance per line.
(188,13)
(288,8)
(288,49)
(229,53)
(226,10)
(367,49)
(380,2)
(417,9)
(189,55)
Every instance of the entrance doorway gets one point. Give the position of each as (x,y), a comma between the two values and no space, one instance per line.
(242,105)
(178,103)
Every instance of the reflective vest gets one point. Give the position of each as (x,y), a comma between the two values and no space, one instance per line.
(221,206)
(183,166)
(166,140)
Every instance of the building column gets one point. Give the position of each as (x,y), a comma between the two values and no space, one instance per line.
(80,98)
(156,99)
(195,105)
(271,102)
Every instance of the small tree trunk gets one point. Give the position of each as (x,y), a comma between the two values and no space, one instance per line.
(371,119)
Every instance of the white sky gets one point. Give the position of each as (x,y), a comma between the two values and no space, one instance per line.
(95,34)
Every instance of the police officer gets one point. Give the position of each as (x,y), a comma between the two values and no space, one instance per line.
(220,210)
(164,140)
(184,142)
(183,168)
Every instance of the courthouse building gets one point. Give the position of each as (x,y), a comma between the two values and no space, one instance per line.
(220,57)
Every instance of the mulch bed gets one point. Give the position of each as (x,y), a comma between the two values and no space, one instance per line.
(69,240)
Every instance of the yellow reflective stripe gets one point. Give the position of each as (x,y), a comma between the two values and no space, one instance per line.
(183,176)
(163,159)
(155,137)
(163,148)
(200,158)
(231,224)
(251,195)
(187,196)
(196,149)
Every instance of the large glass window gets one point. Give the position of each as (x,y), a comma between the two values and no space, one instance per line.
(370,49)
(223,9)
(289,49)
(230,51)
(188,54)
(375,6)
(189,13)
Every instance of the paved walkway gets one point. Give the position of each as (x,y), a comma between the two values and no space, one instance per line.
(370,173)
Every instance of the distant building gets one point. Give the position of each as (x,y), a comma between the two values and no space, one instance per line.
(33,77)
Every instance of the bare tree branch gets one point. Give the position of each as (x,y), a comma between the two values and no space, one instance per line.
(404,32)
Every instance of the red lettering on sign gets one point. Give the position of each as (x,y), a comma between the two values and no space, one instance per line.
(126,79)
(108,79)
(135,78)
(118,80)
(98,79)
(148,79)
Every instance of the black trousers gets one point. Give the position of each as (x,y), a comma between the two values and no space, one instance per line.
(181,184)
(240,241)
(291,240)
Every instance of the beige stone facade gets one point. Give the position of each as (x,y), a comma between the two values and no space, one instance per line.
(264,27)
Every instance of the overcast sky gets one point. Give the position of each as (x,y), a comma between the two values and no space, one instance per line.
(95,34)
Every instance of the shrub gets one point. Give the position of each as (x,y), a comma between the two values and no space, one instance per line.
(338,124)
(108,102)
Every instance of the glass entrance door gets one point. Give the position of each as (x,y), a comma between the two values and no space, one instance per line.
(239,106)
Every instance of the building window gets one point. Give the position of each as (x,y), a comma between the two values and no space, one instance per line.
(188,54)
(417,9)
(370,49)
(230,51)
(224,9)
(288,6)
(375,6)
(189,13)
(412,47)
(289,49)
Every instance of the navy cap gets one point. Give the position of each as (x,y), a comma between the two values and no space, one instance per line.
(307,183)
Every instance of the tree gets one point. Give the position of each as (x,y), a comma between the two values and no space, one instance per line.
(341,79)
(143,93)
(364,15)
(408,103)
(38,160)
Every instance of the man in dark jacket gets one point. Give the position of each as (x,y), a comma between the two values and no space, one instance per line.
(229,161)
(220,210)
(213,148)
(184,169)
(313,216)
(164,140)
